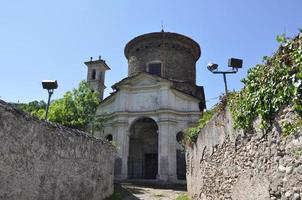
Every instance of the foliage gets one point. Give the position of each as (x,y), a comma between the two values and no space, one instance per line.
(289,128)
(297,152)
(115,196)
(183,197)
(97,123)
(76,109)
(35,108)
(191,134)
(120,193)
(270,86)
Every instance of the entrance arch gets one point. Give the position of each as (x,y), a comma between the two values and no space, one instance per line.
(143,149)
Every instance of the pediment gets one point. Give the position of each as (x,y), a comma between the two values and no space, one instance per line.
(143,80)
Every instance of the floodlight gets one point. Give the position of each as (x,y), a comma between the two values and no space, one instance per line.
(49,85)
(212,66)
(235,63)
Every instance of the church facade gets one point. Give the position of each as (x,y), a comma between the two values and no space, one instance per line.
(148,111)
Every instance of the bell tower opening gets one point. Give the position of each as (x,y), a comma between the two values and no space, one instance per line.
(143,149)
(96,75)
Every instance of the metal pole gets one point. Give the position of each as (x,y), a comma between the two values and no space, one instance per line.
(50,92)
(225,84)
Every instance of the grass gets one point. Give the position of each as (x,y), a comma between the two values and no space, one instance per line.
(183,197)
(119,193)
(116,196)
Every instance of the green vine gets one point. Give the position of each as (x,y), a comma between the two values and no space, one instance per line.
(191,134)
(267,89)
(270,86)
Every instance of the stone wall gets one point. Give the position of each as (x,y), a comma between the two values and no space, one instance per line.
(254,165)
(40,160)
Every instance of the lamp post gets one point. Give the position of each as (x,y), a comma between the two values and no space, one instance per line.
(49,85)
(234,63)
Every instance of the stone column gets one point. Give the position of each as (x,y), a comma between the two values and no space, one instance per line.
(122,142)
(167,151)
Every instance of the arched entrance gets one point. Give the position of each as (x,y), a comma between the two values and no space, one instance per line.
(143,149)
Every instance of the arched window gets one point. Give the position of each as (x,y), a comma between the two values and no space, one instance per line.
(109,137)
(93,74)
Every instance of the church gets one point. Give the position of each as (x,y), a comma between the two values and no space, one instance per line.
(149,110)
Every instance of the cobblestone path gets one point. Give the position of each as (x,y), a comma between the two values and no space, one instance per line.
(137,191)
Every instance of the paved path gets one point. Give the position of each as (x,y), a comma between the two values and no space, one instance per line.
(137,191)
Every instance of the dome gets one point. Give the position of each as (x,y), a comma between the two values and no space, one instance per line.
(170,55)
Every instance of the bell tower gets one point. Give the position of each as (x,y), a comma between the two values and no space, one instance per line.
(96,75)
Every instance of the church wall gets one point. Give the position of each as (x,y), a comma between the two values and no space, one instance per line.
(149,99)
(177,64)
(177,53)
(146,96)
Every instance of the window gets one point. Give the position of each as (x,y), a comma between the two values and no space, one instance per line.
(154,68)
(100,75)
(93,74)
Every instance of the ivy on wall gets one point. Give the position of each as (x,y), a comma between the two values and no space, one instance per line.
(267,88)
(270,86)
(191,134)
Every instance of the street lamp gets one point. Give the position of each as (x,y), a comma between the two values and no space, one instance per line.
(234,63)
(49,85)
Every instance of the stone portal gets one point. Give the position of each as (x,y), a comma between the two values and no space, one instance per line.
(143,149)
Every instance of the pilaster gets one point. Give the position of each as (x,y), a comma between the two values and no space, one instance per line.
(167,151)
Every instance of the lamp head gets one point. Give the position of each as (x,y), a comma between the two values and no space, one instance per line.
(235,63)
(212,66)
(49,84)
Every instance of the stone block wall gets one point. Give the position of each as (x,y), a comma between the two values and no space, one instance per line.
(40,160)
(177,53)
(254,165)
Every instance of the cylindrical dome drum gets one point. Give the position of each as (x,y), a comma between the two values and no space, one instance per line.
(170,55)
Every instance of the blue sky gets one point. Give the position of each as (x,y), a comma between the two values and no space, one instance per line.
(51,39)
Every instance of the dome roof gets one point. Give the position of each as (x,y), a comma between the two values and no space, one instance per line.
(174,38)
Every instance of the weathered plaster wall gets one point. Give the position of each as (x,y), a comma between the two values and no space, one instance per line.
(39,160)
(225,164)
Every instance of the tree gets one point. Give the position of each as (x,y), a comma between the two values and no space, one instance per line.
(35,108)
(76,109)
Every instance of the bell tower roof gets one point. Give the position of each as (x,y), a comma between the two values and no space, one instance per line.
(97,63)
